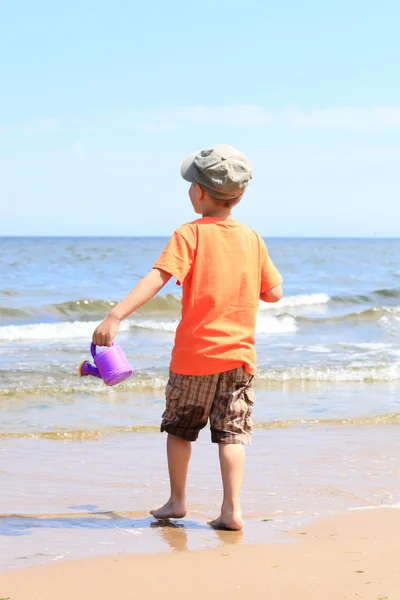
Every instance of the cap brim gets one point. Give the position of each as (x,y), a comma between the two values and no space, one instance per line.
(189,171)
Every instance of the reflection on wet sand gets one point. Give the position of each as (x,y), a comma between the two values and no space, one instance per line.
(176,534)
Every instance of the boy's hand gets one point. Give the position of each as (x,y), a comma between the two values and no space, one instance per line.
(105,332)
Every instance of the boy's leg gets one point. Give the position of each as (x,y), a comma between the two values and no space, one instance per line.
(231,457)
(178,453)
(188,403)
(231,428)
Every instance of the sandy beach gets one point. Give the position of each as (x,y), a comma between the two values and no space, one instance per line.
(353,556)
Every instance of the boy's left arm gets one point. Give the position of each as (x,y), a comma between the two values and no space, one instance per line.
(147,287)
(271,279)
(273,295)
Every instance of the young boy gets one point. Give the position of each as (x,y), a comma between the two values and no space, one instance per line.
(225,270)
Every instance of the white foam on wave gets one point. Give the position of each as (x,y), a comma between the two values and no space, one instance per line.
(374,346)
(391,323)
(52,331)
(333,374)
(84,329)
(390,310)
(299,301)
(273,325)
(167,325)
(316,349)
(265,324)
(375,507)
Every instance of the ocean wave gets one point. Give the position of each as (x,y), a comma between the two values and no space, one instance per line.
(52,331)
(368,315)
(333,374)
(74,385)
(276,325)
(10,292)
(83,306)
(62,384)
(267,323)
(87,308)
(392,324)
(388,293)
(156,325)
(298,301)
(371,297)
(352,299)
(84,329)
(313,348)
(168,305)
(163,305)
(15,312)
(369,346)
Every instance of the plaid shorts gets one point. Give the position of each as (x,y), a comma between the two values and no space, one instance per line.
(226,399)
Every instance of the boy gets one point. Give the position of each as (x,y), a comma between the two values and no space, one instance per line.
(225,270)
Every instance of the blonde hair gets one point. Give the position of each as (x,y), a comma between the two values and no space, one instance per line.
(224,202)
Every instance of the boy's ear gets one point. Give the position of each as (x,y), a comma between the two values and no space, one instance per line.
(200,192)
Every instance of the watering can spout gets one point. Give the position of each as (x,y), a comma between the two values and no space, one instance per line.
(85,369)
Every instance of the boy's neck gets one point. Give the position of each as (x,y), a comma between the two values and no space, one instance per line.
(221,213)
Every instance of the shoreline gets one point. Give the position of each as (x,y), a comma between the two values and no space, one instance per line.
(292,477)
(350,556)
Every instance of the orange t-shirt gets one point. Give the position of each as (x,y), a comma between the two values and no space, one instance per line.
(224,267)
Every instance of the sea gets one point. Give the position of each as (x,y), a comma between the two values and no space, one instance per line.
(82,463)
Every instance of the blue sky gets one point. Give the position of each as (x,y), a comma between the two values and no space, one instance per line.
(101,101)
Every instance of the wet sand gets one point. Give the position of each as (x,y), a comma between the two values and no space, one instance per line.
(353,556)
(63,500)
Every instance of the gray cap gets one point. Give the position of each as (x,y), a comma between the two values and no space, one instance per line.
(222,171)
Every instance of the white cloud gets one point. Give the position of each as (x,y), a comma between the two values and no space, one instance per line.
(170,120)
(36,126)
(344,117)
(45,125)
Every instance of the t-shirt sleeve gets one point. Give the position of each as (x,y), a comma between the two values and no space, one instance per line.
(270,276)
(178,255)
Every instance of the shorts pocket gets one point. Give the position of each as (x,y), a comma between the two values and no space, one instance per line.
(250,398)
(172,397)
(172,392)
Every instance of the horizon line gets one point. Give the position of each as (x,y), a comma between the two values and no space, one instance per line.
(155,236)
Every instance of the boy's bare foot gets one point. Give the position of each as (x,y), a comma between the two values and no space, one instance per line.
(170,510)
(231,522)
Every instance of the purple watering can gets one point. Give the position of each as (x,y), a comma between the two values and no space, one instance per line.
(111,365)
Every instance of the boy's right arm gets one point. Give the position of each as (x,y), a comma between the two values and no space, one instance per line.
(175,261)
(147,287)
